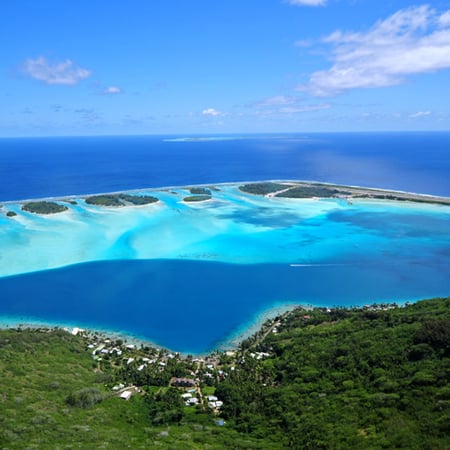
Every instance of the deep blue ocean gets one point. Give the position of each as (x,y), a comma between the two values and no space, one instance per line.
(195,306)
(46,167)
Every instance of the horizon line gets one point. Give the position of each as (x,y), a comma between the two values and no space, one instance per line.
(236,134)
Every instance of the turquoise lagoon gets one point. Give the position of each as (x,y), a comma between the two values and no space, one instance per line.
(192,277)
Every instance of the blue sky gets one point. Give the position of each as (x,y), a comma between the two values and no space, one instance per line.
(96,67)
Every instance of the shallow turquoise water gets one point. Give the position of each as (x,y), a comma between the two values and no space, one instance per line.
(191,276)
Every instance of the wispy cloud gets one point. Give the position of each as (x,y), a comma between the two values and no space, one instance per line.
(87,115)
(65,72)
(411,41)
(111,90)
(307,2)
(277,100)
(304,108)
(419,114)
(444,19)
(286,104)
(212,112)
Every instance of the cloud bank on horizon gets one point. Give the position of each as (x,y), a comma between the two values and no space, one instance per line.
(290,65)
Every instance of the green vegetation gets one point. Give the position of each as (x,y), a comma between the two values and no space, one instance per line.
(312,191)
(44,207)
(263,188)
(304,190)
(85,397)
(138,199)
(11,214)
(104,200)
(199,191)
(405,197)
(120,200)
(319,190)
(53,395)
(369,378)
(197,198)
(363,379)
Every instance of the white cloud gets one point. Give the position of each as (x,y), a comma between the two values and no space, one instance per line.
(277,100)
(411,41)
(212,112)
(303,43)
(419,114)
(307,2)
(304,108)
(65,72)
(111,90)
(284,104)
(444,19)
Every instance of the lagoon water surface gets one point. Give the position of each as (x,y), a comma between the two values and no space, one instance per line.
(192,277)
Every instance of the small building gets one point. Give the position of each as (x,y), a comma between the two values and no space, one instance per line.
(183,382)
(77,330)
(126,395)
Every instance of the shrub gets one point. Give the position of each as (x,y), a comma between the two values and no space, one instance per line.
(85,398)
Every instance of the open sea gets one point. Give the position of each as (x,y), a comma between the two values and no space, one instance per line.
(197,277)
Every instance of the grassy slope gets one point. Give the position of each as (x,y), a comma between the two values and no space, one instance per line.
(38,370)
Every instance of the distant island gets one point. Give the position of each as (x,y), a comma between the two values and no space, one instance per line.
(269,189)
(43,207)
(120,200)
(324,190)
(197,198)
(198,190)
(202,139)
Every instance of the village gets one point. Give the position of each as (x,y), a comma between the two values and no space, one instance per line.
(139,369)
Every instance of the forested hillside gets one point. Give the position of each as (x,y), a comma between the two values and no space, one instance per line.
(370,378)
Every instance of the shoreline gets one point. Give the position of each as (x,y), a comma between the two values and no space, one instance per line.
(408,195)
(230,343)
(243,330)
(12,322)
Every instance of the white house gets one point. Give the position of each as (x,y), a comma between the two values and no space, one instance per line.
(126,395)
